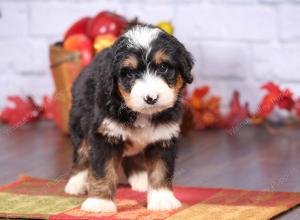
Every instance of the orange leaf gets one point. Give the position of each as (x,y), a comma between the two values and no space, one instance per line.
(195,102)
(208,119)
(206,111)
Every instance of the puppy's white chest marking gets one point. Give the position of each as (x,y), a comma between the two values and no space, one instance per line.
(142,134)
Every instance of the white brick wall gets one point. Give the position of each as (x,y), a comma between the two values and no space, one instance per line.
(289,19)
(226,22)
(281,63)
(237,44)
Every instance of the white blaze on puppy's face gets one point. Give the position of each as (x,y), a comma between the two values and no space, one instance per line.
(142,36)
(151,87)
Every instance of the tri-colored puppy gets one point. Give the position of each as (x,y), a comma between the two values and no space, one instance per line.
(127,111)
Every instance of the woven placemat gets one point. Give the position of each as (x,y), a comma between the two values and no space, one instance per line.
(35,198)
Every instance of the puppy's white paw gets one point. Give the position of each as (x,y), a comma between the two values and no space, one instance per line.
(139,181)
(162,199)
(77,184)
(98,205)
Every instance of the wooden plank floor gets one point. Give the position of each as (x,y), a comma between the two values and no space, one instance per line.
(252,158)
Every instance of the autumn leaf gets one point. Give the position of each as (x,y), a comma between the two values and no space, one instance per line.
(237,114)
(196,100)
(201,92)
(20,111)
(206,110)
(275,97)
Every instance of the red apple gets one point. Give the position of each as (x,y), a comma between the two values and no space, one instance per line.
(81,43)
(79,27)
(106,23)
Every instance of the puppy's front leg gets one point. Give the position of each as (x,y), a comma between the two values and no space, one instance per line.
(160,166)
(102,178)
(135,170)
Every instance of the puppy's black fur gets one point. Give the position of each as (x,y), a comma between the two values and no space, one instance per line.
(96,96)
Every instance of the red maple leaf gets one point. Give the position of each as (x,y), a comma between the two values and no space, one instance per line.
(20,111)
(238,114)
(275,97)
(201,92)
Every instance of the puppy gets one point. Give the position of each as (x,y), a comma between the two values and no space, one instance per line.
(126,110)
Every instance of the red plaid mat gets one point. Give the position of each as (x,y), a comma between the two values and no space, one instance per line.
(35,198)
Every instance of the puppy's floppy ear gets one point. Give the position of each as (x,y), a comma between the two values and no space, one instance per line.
(186,64)
(101,65)
(117,48)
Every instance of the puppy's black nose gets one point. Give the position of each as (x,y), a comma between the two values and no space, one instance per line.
(150,100)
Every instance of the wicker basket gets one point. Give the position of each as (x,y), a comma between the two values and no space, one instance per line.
(65,67)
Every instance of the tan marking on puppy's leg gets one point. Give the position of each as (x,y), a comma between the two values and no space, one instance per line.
(104,187)
(102,190)
(82,161)
(77,183)
(160,56)
(160,196)
(157,174)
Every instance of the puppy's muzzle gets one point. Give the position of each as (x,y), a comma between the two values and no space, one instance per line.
(151,99)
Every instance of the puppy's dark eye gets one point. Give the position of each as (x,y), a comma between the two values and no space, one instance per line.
(163,68)
(129,73)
